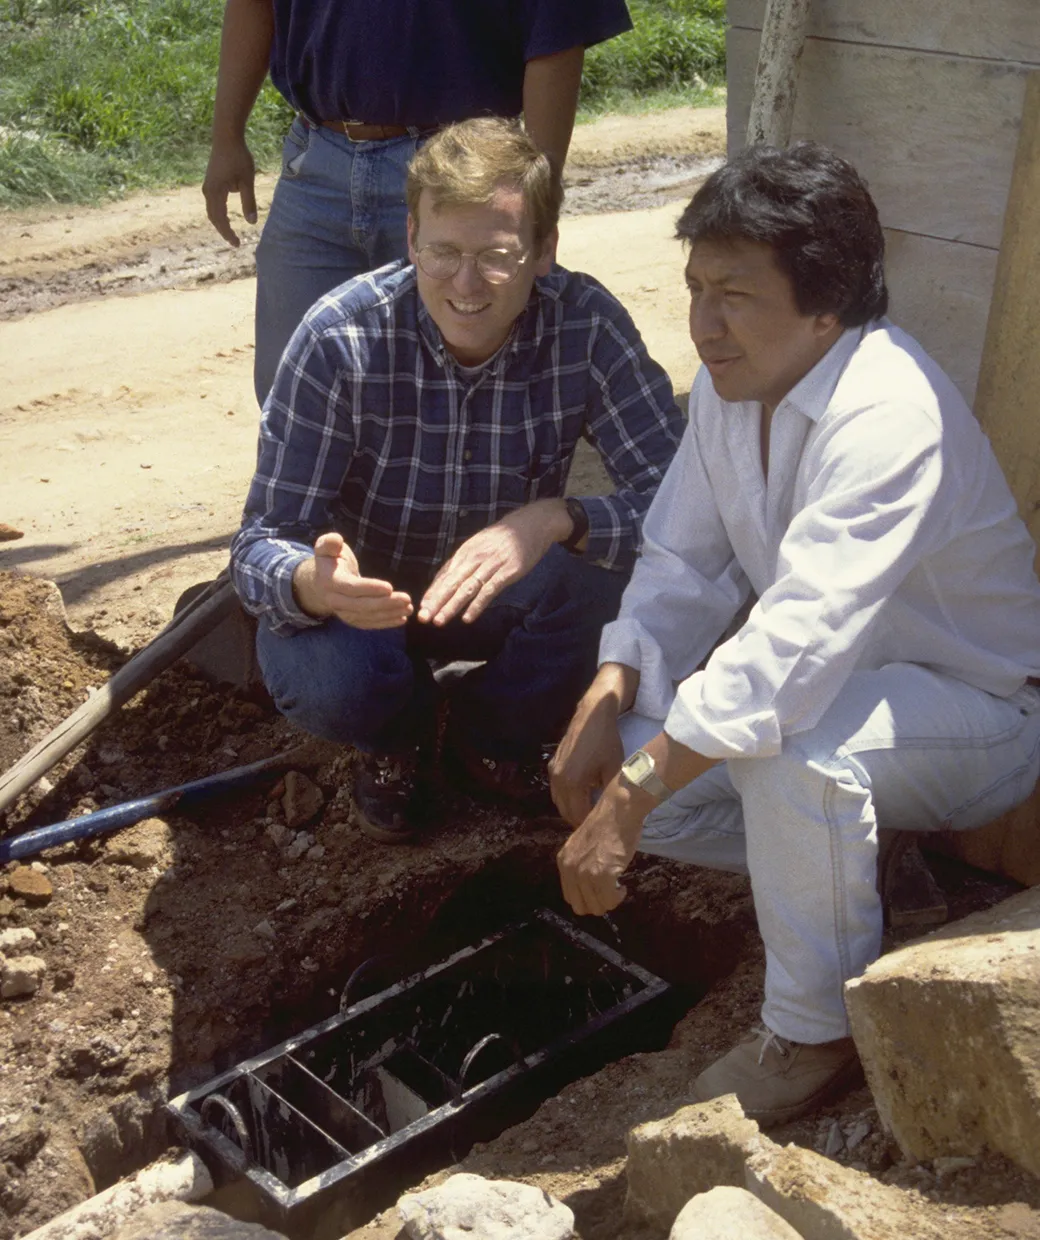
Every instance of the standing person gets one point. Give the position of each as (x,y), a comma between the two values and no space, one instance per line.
(408,503)
(833,476)
(369,80)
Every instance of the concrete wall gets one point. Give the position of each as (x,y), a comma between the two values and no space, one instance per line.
(925,97)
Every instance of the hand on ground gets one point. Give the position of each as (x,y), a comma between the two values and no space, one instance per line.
(600,851)
(493,559)
(588,757)
(230,171)
(329,584)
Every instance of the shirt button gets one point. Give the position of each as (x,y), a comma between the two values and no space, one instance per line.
(467,455)
(463,512)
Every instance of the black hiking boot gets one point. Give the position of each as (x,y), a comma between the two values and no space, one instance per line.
(393,794)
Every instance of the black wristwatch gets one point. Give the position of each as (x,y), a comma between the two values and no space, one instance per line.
(580,518)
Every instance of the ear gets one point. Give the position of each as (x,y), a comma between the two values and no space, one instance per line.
(826,325)
(547,254)
(413,232)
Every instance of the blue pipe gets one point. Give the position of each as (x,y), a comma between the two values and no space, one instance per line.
(129,812)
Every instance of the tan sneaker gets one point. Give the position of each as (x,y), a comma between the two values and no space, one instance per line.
(776,1080)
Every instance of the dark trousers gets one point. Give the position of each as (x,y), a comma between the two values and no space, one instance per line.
(537,644)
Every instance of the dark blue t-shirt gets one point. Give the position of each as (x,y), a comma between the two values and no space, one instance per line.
(424,62)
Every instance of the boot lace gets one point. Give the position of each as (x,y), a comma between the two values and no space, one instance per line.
(769,1038)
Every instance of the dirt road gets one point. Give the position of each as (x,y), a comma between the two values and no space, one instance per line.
(128,417)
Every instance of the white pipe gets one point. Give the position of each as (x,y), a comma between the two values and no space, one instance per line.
(776,79)
(180,1178)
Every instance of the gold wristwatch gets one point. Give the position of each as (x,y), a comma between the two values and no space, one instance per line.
(639,771)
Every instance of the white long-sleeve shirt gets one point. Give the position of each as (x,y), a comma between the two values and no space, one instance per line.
(885,532)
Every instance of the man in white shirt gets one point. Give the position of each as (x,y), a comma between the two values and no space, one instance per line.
(835,513)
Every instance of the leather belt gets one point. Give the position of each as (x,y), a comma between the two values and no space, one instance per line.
(357,131)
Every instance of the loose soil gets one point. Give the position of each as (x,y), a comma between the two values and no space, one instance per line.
(176,947)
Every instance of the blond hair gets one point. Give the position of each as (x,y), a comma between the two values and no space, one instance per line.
(465,163)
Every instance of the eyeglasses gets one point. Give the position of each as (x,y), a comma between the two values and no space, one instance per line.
(440,262)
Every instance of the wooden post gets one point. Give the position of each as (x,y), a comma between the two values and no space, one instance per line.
(1006,404)
(776,78)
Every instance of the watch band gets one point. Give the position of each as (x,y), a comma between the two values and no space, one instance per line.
(580,519)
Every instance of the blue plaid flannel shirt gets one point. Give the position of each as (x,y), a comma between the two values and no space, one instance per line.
(373,430)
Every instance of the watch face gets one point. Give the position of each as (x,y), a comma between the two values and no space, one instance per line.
(639,766)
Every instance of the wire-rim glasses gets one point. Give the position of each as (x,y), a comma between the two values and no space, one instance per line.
(441,261)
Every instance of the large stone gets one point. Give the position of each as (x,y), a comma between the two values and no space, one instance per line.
(21,976)
(671,1160)
(823,1200)
(482,1209)
(176,1220)
(948,1029)
(724,1213)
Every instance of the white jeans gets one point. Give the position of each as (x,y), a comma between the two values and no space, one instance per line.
(901,747)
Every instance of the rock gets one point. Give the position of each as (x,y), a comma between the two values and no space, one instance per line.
(22,976)
(303,800)
(823,1200)
(265,930)
(725,1212)
(277,832)
(22,1140)
(16,940)
(7,907)
(176,1220)
(690,1152)
(482,1209)
(31,886)
(300,844)
(977,1086)
(8,533)
(143,845)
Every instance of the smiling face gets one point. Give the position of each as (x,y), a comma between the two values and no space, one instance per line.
(752,338)
(475,317)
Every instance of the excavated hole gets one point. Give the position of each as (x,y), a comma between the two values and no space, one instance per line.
(438,914)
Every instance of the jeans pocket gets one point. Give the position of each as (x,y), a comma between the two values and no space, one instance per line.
(294,147)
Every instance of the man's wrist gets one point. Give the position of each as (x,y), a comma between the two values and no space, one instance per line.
(629,806)
(578,538)
(303,582)
(615,682)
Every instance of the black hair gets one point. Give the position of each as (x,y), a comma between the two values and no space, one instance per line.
(815,211)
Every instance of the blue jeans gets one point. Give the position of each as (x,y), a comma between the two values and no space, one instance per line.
(901,747)
(537,643)
(338,210)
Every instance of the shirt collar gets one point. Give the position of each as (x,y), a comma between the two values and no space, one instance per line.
(813,392)
(522,334)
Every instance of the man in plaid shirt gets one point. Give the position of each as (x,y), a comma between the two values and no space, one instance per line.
(408,503)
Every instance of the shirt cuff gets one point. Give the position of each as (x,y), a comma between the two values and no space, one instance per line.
(628,643)
(290,616)
(605,546)
(740,735)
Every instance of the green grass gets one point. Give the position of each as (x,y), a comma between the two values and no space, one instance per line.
(99,97)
